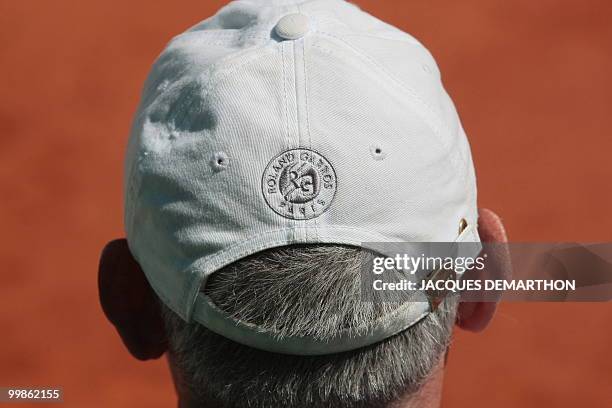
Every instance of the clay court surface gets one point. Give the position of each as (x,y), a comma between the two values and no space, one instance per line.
(532,83)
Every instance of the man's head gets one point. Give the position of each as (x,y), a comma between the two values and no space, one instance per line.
(272,141)
(297,290)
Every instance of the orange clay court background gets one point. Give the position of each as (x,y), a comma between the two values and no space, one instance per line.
(531,80)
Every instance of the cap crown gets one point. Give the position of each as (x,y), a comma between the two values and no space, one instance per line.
(246,140)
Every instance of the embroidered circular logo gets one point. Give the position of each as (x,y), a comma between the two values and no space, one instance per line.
(299,184)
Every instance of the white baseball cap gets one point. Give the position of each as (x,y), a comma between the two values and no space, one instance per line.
(282,122)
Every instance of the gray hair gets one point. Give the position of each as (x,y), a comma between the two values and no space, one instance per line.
(296,291)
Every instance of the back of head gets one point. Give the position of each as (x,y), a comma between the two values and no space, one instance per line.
(304,291)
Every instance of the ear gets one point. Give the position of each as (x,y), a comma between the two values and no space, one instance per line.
(475,316)
(129,302)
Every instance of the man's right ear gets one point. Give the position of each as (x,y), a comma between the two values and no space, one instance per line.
(129,303)
(476,316)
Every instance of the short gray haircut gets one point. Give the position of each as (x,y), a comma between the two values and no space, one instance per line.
(295,291)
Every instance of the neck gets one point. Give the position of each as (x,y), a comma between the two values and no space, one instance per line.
(430,394)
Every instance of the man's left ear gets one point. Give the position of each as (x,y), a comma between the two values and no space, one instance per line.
(129,303)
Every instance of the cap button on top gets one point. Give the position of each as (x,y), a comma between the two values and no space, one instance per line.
(292,26)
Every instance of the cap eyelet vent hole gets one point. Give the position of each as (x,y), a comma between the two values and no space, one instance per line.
(219,161)
(377,152)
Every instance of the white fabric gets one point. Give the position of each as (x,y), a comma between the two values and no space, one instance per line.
(228,96)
